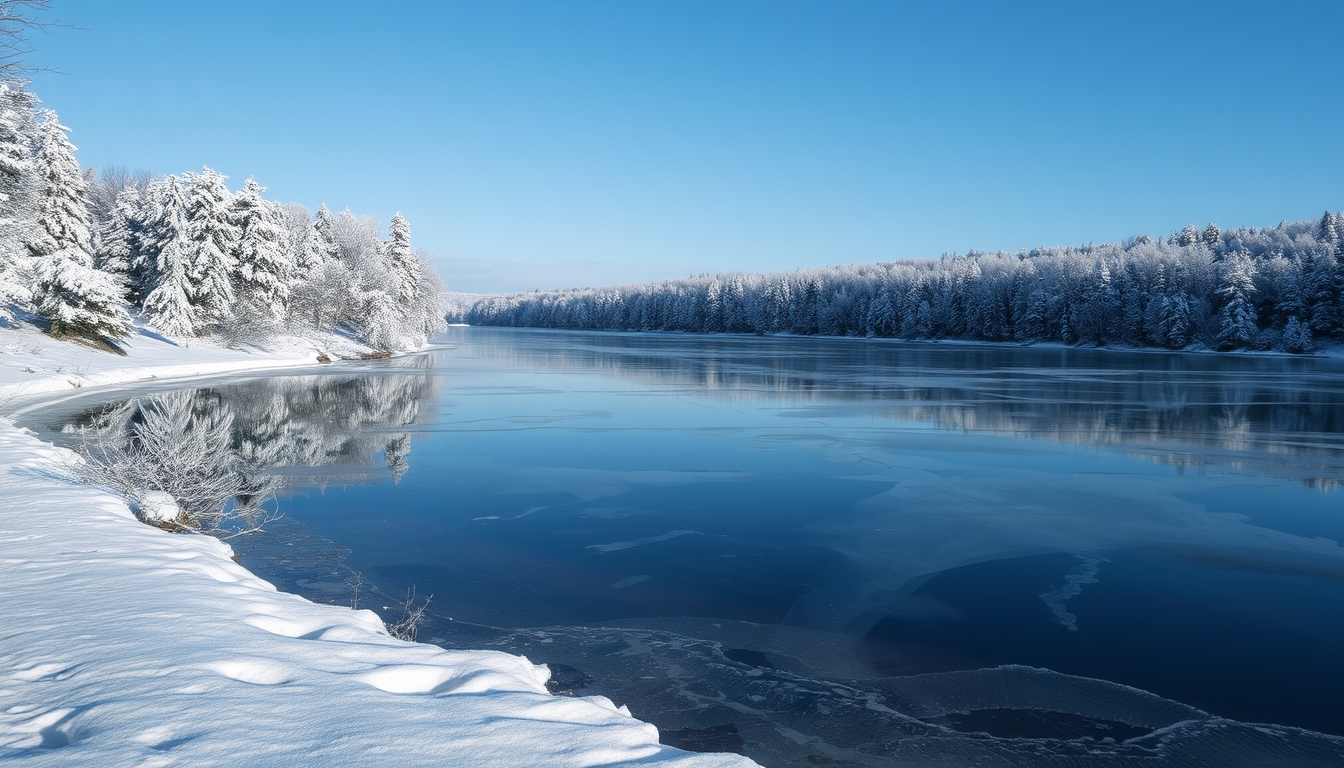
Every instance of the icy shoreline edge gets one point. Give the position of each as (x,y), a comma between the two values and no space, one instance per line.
(126,645)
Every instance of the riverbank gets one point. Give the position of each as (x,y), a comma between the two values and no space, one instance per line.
(126,645)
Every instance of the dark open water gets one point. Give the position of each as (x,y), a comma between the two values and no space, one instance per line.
(861,552)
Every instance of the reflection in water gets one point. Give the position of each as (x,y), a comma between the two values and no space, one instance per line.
(1279,414)
(221,452)
(844,552)
(168,444)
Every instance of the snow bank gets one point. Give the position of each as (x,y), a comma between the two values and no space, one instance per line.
(33,366)
(126,645)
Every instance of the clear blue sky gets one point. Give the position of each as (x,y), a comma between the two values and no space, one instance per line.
(549,144)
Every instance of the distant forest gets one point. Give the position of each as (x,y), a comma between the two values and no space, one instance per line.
(1276,288)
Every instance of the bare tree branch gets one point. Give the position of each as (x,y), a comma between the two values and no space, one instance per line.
(18,18)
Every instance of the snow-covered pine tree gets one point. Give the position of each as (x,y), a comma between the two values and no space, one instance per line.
(16,159)
(322,246)
(163,260)
(881,316)
(1297,337)
(212,236)
(712,318)
(1323,292)
(1238,324)
(1329,232)
(1170,316)
(297,222)
(75,299)
(264,270)
(1211,236)
(1188,236)
(401,261)
(16,135)
(118,248)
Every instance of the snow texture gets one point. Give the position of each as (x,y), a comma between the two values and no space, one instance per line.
(127,645)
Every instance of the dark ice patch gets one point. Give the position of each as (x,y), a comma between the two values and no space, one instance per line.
(712,738)
(748,657)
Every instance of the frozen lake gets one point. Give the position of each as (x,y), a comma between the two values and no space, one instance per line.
(817,550)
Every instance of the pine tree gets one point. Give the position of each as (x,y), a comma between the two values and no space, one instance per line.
(1238,325)
(163,261)
(119,245)
(1297,337)
(212,236)
(1169,313)
(321,246)
(881,317)
(401,261)
(1329,231)
(264,270)
(1323,294)
(1212,236)
(74,298)
(1095,315)
(16,135)
(1188,236)
(16,165)
(711,316)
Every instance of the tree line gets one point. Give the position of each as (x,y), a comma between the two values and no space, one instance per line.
(84,253)
(1274,288)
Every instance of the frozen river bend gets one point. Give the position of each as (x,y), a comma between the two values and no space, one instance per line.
(812,551)
(124,645)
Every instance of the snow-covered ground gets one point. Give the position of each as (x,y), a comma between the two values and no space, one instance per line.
(35,367)
(124,645)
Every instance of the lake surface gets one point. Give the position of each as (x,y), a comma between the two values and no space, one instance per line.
(835,551)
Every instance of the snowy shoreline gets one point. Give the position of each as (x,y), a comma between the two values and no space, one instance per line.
(128,645)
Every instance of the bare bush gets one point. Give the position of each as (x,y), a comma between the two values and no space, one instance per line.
(412,615)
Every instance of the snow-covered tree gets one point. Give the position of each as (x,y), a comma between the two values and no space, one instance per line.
(108,185)
(164,249)
(212,236)
(264,269)
(1188,236)
(321,243)
(1211,236)
(1238,325)
(1322,283)
(74,298)
(119,244)
(1297,337)
(401,261)
(297,222)
(16,160)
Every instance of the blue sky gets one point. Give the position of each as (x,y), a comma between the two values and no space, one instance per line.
(553,144)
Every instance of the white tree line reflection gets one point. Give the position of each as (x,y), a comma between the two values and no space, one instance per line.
(223,453)
(1273,414)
